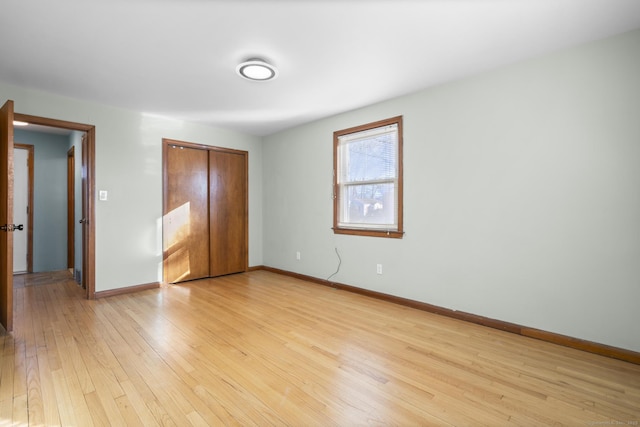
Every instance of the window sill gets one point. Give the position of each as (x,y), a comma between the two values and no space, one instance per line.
(369,233)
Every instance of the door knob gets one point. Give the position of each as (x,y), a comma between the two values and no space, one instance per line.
(11,227)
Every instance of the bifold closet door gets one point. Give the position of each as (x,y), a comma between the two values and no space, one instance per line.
(228,212)
(186,214)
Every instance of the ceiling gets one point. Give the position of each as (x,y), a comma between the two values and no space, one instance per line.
(177,58)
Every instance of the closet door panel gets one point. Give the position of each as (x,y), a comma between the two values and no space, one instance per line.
(228,212)
(186,214)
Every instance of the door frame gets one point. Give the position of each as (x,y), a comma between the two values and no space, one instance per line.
(30,172)
(71,207)
(88,173)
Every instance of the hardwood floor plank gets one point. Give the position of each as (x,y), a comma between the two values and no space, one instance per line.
(6,409)
(66,409)
(19,371)
(47,389)
(160,414)
(105,396)
(25,330)
(196,420)
(7,367)
(72,380)
(135,400)
(20,412)
(75,367)
(128,411)
(97,411)
(34,394)
(263,349)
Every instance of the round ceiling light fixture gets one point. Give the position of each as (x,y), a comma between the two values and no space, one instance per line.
(257,69)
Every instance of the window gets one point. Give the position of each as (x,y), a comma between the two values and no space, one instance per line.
(367,183)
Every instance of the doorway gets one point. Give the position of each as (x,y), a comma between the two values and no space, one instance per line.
(88,191)
(7,227)
(41,242)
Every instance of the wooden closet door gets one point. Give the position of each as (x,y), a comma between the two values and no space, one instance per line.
(228,212)
(186,214)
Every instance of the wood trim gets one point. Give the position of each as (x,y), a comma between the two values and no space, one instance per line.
(30,166)
(90,251)
(584,345)
(71,204)
(246,210)
(396,234)
(165,206)
(45,121)
(127,290)
(166,142)
(552,337)
(90,130)
(370,233)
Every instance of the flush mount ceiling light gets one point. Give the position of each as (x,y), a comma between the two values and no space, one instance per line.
(257,69)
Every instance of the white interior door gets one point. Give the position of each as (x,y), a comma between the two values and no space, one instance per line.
(20,209)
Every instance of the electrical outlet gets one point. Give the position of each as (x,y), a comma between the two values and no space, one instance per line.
(298,255)
(379,268)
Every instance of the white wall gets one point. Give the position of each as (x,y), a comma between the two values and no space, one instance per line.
(522,196)
(129,167)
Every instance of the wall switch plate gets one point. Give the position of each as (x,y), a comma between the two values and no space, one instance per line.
(379,268)
(298,255)
(103,195)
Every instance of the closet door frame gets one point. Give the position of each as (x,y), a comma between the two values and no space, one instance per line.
(166,145)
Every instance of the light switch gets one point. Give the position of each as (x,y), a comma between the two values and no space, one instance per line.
(102,195)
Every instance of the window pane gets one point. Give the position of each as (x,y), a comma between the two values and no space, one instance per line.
(372,158)
(370,205)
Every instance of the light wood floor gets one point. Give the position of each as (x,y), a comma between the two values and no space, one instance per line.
(264,349)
